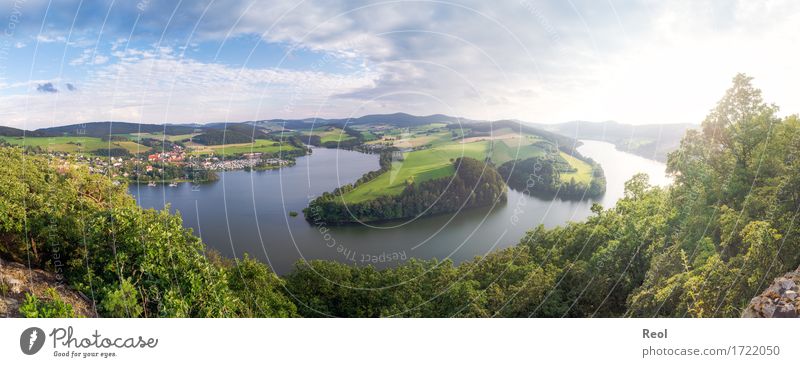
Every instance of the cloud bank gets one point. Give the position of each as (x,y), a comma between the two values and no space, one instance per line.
(544,61)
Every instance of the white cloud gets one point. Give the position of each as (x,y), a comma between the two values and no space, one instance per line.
(100,59)
(89,56)
(157,86)
(546,61)
(636,62)
(45,38)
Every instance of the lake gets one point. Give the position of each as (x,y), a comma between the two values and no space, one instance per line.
(248,212)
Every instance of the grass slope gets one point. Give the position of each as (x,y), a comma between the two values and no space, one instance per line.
(417,166)
(583,171)
(160,136)
(510,149)
(260,145)
(329,134)
(73,144)
(434,162)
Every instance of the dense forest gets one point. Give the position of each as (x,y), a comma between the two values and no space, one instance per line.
(220,137)
(702,247)
(474,184)
(107,128)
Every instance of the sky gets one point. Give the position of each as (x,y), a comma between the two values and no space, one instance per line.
(156,61)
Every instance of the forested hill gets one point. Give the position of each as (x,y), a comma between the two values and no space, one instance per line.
(652,141)
(246,131)
(398,119)
(703,247)
(106,128)
(10,131)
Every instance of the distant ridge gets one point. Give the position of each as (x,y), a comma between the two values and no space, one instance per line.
(652,141)
(101,129)
(399,119)
(11,131)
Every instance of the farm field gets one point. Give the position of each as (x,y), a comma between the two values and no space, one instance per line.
(73,144)
(258,146)
(159,136)
(329,135)
(509,149)
(420,139)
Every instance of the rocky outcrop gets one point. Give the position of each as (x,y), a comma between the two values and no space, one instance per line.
(16,280)
(779,300)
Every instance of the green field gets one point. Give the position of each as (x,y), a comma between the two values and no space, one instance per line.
(368,135)
(329,134)
(420,139)
(72,144)
(417,166)
(510,149)
(260,145)
(583,171)
(160,136)
(435,162)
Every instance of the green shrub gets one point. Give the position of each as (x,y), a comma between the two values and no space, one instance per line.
(53,307)
(122,301)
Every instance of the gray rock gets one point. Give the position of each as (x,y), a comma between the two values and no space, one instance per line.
(787,284)
(792,295)
(785,311)
(768,310)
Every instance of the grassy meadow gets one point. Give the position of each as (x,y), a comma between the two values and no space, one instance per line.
(160,136)
(435,162)
(417,166)
(327,135)
(72,144)
(583,170)
(258,146)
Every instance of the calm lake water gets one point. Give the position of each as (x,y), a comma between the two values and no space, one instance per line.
(248,212)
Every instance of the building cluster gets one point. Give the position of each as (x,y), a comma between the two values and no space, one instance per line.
(176,155)
(156,164)
(250,160)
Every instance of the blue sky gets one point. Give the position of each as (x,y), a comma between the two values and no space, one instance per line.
(157,61)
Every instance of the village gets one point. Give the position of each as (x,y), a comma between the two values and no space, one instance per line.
(169,166)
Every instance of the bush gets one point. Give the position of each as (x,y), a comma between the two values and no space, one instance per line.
(122,302)
(52,307)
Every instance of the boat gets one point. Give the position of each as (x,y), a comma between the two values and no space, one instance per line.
(151,184)
(174,184)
